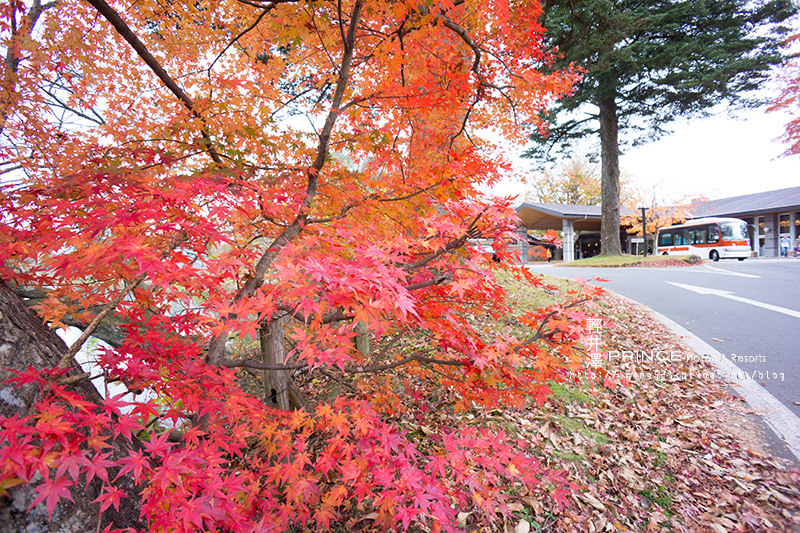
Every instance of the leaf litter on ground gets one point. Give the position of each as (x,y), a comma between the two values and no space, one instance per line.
(655,442)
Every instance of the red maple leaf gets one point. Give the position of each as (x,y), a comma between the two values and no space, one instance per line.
(110,496)
(52,490)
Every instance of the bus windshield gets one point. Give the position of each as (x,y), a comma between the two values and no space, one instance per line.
(734,231)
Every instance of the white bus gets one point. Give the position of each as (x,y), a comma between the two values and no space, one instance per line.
(713,238)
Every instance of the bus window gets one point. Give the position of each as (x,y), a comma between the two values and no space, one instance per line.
(734,231)
(665,239)
(700,235)
(680,237)
(694,236)
(713,233)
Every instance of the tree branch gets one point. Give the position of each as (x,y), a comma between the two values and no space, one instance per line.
(138,46)
(401,362)
(13,54)
(259,365)
(421,285)
(539,334)
(266,9)
(105,331)
(216,349)
(454,244)
(67,357)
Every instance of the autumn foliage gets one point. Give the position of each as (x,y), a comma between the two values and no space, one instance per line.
(789,99)
(195,176)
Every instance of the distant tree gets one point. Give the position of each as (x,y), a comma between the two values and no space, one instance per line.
(789,101)
(660,213)
(575,182)
(648,62)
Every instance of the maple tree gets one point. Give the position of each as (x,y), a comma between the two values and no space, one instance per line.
(232,193)
(658,214)
(789,99)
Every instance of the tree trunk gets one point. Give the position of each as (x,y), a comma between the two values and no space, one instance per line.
(273,350)
(25,341)
(362,339)
(609,156)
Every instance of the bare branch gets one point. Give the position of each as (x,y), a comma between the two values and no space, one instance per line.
(401,362)
(67,357)
(340,216)
(14,55)
(417,193)
(338,379)
(266,9)
(259,365)
(97,119)
(421,285)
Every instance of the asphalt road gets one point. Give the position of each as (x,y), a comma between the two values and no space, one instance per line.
(749,311)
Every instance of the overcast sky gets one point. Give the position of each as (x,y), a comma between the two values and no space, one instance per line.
(714,157)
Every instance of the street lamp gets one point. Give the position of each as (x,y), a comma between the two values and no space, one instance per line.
(644,231)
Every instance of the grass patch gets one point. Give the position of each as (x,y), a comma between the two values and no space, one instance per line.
(661,497)
(572,395)
(526,298)
(630,260)
(573,425)
(607,261)
(572,457)
(661,458)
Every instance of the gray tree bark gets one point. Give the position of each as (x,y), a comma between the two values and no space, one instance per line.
(25,341)
(609,156)
(273,350)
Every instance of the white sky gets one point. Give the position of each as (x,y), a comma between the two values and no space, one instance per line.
(715,157)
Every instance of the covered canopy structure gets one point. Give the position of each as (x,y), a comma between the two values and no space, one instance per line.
(566,218)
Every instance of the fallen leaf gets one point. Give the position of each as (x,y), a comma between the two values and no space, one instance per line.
(591,500)
(522,527)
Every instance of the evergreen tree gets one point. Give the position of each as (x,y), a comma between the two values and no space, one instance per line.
(645,63)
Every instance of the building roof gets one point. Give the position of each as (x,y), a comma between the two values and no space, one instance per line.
(546,216)
(750,204)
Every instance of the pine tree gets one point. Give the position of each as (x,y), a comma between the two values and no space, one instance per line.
(647,62)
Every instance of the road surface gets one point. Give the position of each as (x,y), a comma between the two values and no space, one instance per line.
(749,311)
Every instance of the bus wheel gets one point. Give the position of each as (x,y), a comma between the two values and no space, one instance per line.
(665,253)
(740,258)
(714,255)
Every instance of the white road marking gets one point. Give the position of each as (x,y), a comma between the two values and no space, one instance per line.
(729,273)
(731,296)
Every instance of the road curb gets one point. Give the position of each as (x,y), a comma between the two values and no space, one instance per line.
(784,423)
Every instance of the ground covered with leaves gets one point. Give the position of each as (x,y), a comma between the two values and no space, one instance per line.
(654,441)
(647,438)
(657,447)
